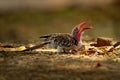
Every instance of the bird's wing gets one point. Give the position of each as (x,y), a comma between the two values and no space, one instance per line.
(63,40)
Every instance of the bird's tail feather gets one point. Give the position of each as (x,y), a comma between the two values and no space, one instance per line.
(45,36)
(36,47)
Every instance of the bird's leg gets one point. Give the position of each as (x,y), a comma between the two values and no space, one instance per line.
(59,49)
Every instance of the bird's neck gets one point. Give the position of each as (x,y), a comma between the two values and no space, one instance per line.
(79,38)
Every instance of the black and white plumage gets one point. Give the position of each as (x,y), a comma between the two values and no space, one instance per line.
(62,41)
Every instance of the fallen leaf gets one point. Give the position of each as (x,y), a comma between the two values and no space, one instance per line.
(102,41)
(116,59)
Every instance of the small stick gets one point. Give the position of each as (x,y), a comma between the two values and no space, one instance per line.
(35,47)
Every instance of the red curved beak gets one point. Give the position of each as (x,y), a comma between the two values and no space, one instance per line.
(82,27)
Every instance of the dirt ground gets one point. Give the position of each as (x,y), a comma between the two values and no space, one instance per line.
(54,66)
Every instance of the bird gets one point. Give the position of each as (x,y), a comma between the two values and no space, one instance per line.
(63,41)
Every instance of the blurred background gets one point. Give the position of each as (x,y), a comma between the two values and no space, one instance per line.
(23,20)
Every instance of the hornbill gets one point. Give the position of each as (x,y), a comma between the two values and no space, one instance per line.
(63,41)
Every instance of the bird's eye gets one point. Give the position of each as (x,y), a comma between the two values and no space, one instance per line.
(76,30)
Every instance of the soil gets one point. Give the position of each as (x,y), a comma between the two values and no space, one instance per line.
(31,65)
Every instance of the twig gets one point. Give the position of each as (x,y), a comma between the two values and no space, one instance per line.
(35,47)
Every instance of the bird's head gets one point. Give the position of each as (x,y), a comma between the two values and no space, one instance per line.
(79,29)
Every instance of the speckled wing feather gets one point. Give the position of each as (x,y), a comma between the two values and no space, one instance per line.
(60,39)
